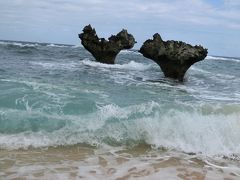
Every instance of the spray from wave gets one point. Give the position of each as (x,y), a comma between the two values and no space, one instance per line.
(18,44)
(132,65)
(223,59)
(206,130)
(30,44)
(58,45)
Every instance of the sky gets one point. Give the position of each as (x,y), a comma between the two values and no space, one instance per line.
(215,24)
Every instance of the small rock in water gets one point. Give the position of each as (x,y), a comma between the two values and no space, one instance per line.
(105,51)
(174,57)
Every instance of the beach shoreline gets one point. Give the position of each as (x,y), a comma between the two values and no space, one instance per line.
(85,162)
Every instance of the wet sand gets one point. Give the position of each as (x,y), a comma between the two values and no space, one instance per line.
(84,162)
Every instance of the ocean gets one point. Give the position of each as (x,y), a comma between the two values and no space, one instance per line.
(65,116)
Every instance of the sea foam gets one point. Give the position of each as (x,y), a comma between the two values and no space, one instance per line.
(18,44)
(132,65)
(208,131)
(57,45)
(223,59)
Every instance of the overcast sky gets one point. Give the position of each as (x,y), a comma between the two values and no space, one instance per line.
(213,23)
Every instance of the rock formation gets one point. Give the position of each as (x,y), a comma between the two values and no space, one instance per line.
(174,57)
(105,51)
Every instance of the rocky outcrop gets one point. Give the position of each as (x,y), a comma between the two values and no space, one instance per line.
(174,57)
(105,51)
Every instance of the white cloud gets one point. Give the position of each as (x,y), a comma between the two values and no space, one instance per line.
(190,11)
(232,3)
(38,18)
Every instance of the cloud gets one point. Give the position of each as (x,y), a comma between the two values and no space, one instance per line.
(190,11)
(34,19)
(232,3)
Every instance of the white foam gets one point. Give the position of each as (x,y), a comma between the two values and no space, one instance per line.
(19,44)
(30,44)
(132,65)
(189,131)
(213,75)
(199,70)
(3,42)
(56,65)
(56,45)
(129,52)
(77,46)
(26,45)
(222,59)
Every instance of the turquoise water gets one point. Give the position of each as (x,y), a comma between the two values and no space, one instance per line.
(52,95)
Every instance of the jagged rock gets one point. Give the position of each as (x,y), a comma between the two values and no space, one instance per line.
(174,57)
(106,51)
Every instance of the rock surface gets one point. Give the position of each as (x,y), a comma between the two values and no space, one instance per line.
(105,51)
(174,57)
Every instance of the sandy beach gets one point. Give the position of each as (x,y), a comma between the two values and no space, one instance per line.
(84,162)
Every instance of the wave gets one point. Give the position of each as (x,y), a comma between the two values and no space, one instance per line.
(24,44)
(208,130)
(213,75)
(18,44)
(77,46)
(56,65)
(223,59)
(57,45)
(129,52)
(132,65)
(200,70)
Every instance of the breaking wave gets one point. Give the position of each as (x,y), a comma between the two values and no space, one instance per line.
(52,96)
(132,65)
(223,59)
(129,52)
(29,45)
(58,45)
(56,65)
(18,44)
(208,130)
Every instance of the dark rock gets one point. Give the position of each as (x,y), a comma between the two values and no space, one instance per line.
(174,57)
(106,51)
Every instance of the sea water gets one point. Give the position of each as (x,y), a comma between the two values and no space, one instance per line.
(57,97)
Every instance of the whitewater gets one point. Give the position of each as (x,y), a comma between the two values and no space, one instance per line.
(55,97)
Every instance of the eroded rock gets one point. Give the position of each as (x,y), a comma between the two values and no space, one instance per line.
(105,51)
(174,57)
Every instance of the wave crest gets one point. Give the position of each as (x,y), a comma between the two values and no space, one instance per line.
(18,44)
(199,130)
(132,65)
(223,59)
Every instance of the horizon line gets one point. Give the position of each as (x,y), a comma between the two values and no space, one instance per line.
(22,41)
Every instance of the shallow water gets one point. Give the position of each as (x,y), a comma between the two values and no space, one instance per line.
(58,96)
(84,162)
